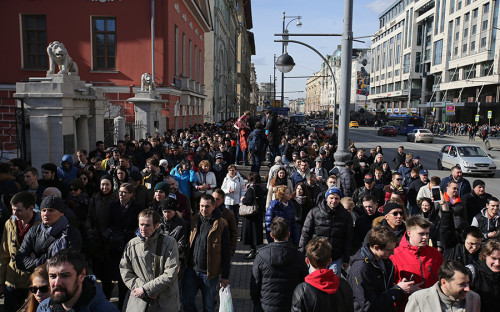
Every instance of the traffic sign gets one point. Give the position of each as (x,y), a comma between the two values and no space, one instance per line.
(489,114)
(477,118)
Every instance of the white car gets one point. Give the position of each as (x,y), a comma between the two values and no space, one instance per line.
(420,135)
(492,141)
(471,158)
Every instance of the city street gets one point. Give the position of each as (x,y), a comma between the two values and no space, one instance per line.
(367,138)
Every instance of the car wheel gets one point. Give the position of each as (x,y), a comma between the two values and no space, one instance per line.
(488,146)
(440,165)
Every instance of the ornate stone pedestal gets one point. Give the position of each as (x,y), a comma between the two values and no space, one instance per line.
(148,113)
(64,115)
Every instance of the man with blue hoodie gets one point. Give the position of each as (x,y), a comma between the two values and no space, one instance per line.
(66,171)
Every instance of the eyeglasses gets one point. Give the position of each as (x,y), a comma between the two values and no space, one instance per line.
(43,289)
(454,188)
(400,179)
(123,192)
(473,244)
(397,213)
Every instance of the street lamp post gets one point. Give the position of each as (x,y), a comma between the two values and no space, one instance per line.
(283,51)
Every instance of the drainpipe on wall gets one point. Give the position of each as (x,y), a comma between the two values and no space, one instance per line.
(153,40)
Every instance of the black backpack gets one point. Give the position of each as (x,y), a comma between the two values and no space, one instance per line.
(255,142)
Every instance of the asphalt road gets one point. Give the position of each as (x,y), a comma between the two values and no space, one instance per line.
(367,138)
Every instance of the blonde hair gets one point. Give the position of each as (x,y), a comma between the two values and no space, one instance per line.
(205,163)
(348,203)
(280,192)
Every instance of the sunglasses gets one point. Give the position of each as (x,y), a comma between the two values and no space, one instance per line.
(399,179)
(73,189)
(43,289)
(397,213)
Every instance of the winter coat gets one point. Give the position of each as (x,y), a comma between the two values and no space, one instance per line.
(423,262)
(185,179)
(178,229)
(473,204)
(277,269)
(207,179)
(373,287)
(429,300)
(347,184)
(272,189)
(137,270)
(486,223)
(35,242)
(277,209)
(10,274)
(251,229)
(333,224)
(259,148)
(413,189)
(220,171)
(67,175)
(322,290)
(435,234)
(362,226)
(487,284)
(405,172)
(361,192)
(398,160)
(298,177)
(228,215)
(274,130)
(237,184)
(463,185)
(454,248)
(91,299)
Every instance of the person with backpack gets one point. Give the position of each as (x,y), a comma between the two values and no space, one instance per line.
(256,145)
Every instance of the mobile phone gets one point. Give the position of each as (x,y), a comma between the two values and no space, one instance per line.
(411,277)
(436,193)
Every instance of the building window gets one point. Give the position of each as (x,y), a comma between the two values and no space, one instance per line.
(184,72)
(390,87)
(176,50)
(474,13)
(486,8)
(485,25)
(195,62)
(406,63)
(469,72)
(398,49)
(464,49)
(438,52)
(483,42)
(457,35)
(459,5)
(466,17)
(397,86)
(104,42)
(453,74)
(396,72)
(391,49)
(200,63)
(389,75)
(457,22)
(455,51)
(472,46)
(34,41)
(382,77)
(487,69)
(190,59)
(467,2)
(474,29)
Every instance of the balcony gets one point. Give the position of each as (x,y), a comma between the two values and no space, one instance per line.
(187,84)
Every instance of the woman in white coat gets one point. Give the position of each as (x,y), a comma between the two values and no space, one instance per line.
(234,187)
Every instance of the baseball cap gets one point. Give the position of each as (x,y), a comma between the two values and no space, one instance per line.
(424,172)
(368,178)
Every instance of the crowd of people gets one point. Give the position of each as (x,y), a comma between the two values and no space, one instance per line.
(158,219)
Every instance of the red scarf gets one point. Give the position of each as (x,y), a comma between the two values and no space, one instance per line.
(21,233)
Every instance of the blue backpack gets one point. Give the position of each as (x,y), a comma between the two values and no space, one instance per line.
(254,142)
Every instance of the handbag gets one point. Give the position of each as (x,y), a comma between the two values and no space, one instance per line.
(248,210)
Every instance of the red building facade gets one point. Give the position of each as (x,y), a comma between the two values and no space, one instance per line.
(111,43)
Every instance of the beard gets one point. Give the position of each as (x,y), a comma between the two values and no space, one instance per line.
(64,294)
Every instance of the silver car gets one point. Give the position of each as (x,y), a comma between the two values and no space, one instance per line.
(420,135)
(492,141)
(471,158)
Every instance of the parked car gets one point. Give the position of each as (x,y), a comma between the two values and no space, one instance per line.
(471,158)
(353,124)
(492,141)
(420,135)
(387,130)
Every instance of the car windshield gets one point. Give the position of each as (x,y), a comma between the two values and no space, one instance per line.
(471,151)
(424,131)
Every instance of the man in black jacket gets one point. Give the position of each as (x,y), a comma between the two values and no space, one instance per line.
(466,250)
(371,274)
(400,157)
(47,238)
(330,220)
(368,189)
(475,200)
(413,189)
(365,222)
(273,133)
(277,269)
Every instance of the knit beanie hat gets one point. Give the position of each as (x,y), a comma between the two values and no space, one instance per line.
(477,182)
(333,190)
(162,186)
(109,178)
(52,202)
(169,203)
(390,206)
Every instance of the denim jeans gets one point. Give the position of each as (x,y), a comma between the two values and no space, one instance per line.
(192,282)
(273,152)
(236,210)
(240,153)
(256,162)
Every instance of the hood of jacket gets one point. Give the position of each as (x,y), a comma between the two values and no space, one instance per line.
(484,213)
(67,158)
(324,280)
(235,178)
(280,254)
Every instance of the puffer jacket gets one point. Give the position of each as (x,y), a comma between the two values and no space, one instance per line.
(278,209)
(332,224)
(373,287)
(91,299)
(10,274)
(423,262)
(137,270)
(34,243)
(322,289)
(185,180)
(67,175)
(238,185)
(486,283)
(347,184)
(485,223)
(277,269)
(178,228)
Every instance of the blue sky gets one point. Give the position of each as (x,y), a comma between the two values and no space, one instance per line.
(318,16)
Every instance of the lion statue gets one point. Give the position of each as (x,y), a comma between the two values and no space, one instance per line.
(59,55)
(147,82)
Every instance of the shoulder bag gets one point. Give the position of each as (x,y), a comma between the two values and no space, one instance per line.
(248,210)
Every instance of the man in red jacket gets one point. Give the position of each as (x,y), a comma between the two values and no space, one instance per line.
(413,259)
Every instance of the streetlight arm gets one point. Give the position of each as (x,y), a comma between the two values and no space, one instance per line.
(331,72)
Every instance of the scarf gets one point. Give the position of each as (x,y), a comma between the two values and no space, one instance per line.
(21,232)
(279,181)
(300,199)
(58,228)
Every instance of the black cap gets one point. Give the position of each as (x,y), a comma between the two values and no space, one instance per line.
(169,203)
